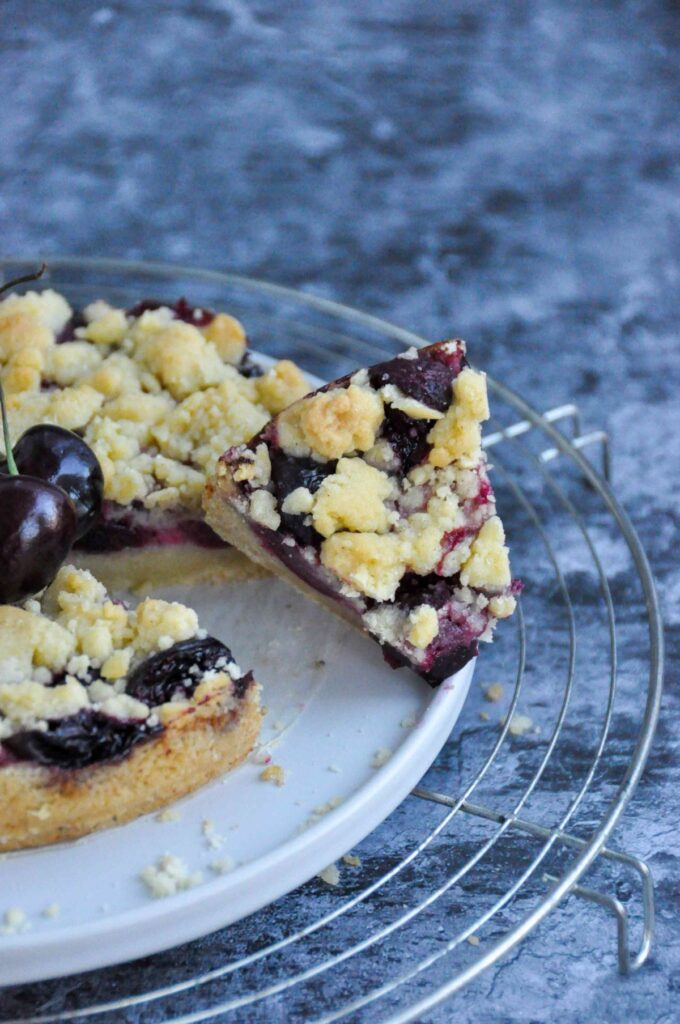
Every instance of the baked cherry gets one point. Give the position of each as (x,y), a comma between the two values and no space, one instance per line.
(79,740)
(62,458)
(177,671)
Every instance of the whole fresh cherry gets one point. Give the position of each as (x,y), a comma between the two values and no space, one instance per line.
(38,520)
(38,524)
(60,457)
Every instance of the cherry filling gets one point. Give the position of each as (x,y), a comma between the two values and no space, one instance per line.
(289,474)
(198,316)
(178,671)
(79,740)
(68,331)
(89,736)
(407,437)
(128,532)
(427,378)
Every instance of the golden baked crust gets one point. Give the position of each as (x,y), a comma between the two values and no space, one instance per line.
(107,711)
(40,805)
(142,569)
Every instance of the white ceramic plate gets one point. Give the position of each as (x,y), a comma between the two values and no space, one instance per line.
(324,726)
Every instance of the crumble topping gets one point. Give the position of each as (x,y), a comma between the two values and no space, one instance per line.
(75,649)
(332,423)
(352,498)
(156,398)
(423,626)
(380,494)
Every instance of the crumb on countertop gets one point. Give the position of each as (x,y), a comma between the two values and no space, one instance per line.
(484,715)
(408,722)
(493,692)
(330,875)
(352,860)
(473,940)
(52,910)
(519,724)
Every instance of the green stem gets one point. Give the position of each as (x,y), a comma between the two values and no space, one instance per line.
(9,456)
(22,280)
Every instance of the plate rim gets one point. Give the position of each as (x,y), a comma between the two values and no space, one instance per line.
(186,916)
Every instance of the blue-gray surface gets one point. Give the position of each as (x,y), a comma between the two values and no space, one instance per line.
(506,171)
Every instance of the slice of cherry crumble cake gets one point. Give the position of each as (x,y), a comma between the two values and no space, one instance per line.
(158,392)
(108,712)
(372,495)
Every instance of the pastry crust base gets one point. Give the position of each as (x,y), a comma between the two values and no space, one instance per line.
(229,524)
(41,805)
(146,569)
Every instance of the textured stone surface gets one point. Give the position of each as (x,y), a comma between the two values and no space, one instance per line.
(508,172)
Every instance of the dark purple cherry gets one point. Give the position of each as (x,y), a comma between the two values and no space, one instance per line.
(62,458)
(38,524)
(78,740)
(178,670)
(287,475)
(183,310)
(427,378)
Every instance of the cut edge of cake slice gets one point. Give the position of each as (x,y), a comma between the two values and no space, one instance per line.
(371,495)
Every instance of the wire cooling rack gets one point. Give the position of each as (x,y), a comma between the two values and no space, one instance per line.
(521,803)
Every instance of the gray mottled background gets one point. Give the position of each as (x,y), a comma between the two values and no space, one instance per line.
(505,171)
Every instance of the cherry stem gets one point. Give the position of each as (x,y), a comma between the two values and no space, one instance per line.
(9,456)
(23,280)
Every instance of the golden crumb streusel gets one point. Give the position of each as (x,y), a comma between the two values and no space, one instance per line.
(156,398)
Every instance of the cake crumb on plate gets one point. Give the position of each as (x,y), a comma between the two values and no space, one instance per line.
(168,876)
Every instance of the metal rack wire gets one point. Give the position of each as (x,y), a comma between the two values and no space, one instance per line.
(555,820)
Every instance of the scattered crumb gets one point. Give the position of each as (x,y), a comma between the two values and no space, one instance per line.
(274,773)
(318,812)
(212,838)
(484,715)
(381,757)
(168,876)
(52,910)
(168,815)
(494,692)
(319,663)
(352,860)
(473,940)
(334,768)
(223,865)
(408,722)
(15,920)
(519,724)
(330,875)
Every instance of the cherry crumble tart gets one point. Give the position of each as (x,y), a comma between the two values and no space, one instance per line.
(157,392)
(372,496)
(108,712)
